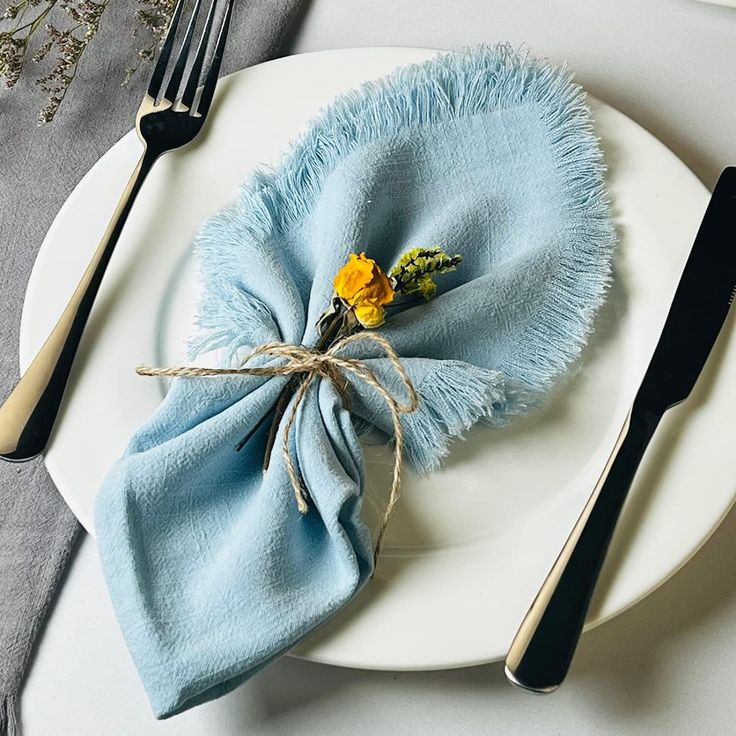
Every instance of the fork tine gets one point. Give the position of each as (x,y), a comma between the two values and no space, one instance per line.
(157,78)
(176,76)
(211,80)
(194,73)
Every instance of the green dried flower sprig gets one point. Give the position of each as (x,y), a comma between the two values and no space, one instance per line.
(415,271)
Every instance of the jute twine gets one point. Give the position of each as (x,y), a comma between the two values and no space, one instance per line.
(331,366)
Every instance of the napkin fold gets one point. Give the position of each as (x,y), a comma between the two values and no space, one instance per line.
(490,153)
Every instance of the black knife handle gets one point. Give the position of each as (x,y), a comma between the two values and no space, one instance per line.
(542,649)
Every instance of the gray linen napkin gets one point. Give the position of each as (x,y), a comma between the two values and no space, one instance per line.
(38,169)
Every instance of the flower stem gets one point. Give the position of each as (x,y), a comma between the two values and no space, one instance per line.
(35,23)
(331,332)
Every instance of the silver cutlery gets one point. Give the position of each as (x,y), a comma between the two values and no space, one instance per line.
(167,119)
(542,649)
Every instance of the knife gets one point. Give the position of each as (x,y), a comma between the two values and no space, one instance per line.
(544,645)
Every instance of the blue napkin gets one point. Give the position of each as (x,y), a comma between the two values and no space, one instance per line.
(212,570)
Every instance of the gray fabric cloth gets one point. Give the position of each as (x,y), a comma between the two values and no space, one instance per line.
(39,167)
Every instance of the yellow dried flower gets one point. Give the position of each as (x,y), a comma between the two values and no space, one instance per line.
(365,287)
(370,314)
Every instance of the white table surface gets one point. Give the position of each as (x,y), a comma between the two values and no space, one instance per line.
(665,666)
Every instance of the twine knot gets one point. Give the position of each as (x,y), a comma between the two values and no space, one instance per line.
(332,366)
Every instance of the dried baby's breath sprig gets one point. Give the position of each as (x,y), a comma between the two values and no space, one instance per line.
(69,35)
(69,26)
(415,271)
(153,17)
(20,20)
(12,52)
(69,44)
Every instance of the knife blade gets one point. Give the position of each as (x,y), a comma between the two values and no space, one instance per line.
(706,290)
(542,650)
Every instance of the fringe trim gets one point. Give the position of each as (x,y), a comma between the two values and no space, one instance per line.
(9,715)
(454,85)
(452,399)
(229,322)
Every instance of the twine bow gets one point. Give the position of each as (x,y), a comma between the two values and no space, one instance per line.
(331,366)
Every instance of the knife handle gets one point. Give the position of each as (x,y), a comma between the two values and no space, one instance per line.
(544,645)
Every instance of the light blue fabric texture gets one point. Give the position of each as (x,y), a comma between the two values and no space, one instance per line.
(212,570)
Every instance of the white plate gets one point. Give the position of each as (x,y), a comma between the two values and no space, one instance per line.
(469,545)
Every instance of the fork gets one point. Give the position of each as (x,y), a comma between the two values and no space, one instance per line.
(164,122)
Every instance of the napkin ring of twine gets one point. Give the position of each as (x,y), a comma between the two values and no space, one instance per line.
(332,366)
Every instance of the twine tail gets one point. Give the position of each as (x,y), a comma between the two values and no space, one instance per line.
(294,474)
(9,715)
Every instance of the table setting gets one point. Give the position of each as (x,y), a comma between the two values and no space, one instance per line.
(387,358)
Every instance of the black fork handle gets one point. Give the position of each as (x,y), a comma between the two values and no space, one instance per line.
(29,412)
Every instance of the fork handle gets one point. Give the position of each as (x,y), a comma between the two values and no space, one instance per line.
(543,648)
(29,412)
